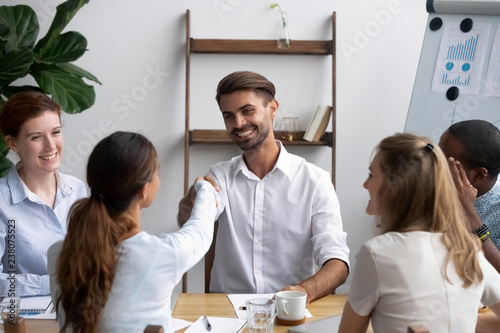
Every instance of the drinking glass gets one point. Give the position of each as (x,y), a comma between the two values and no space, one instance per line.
(261,313)
(288,128)
(9,312)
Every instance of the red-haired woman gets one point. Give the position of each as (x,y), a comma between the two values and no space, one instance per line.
(34,197)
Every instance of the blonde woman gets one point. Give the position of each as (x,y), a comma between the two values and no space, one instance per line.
(425,268)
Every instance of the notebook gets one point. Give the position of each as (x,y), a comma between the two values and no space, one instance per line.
(329,324)
(219,325)
(36,304)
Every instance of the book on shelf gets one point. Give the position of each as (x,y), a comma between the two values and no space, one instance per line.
(319,122)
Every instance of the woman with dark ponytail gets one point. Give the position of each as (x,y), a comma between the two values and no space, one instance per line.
(108,275)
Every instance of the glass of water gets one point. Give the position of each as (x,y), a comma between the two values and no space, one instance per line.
(9,312)
(261,313)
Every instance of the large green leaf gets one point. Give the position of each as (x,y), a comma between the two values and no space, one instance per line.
(4,31)
(70,91)
(64,14)
(11,90)
(3,146)
(5,163)
(5,166)
(3,43)
(65,48)
(22,24)
(15,64)
(78,71)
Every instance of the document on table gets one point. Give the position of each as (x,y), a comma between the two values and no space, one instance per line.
(219,325)
(239,302)
(50,313)
(179,324)
(37,307)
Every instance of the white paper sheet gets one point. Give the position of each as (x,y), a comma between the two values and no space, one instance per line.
(49,314)
(179,324)
(219,325)
(492,83)
(461,57)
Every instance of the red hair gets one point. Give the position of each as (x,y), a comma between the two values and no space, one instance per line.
(23,106)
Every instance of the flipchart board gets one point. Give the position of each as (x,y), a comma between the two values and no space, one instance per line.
(458,75)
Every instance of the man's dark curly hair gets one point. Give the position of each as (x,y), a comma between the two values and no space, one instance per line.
(481,140)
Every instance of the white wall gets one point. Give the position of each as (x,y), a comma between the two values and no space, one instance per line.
(136,48)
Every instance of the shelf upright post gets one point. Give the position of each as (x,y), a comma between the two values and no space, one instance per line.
(186,125)
(334,99)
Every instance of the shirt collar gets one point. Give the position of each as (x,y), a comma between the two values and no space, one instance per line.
(492,193)
(283,164)
(19,191)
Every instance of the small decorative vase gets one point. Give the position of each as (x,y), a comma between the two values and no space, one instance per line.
(284,37)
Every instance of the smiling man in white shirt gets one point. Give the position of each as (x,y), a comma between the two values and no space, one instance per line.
(280,216)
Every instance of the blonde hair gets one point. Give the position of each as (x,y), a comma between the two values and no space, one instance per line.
(418,190)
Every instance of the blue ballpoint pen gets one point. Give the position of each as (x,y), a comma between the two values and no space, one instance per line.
(208,326)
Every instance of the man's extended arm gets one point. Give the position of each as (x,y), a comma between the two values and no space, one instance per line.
(333,273)
(467,195)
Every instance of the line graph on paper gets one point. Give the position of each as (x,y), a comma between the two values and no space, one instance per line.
(461,57)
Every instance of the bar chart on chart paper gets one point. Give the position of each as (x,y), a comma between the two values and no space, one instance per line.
(460,59)
(460,56)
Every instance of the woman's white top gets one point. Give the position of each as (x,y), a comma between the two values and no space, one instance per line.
(399,278)
(148,269)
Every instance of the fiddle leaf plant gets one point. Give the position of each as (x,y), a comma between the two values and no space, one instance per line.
(48,61)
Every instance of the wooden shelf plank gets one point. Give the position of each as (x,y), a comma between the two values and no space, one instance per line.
(220,137)
(256,46)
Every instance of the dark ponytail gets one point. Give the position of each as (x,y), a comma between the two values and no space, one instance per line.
(118,168)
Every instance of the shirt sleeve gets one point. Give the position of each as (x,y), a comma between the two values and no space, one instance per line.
(196,235)
(19,284)
(329,239)
(363,294)
(22,285)
(52,257)
(491,278)
(219,196)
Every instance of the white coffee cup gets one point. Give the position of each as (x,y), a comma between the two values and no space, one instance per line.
(291,305)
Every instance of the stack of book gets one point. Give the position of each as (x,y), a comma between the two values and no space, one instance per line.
(319,122)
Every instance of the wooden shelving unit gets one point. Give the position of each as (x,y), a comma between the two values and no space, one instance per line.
(253,46)
(220,137)
(250,46)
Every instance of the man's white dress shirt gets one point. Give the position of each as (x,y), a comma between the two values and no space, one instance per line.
(274,231)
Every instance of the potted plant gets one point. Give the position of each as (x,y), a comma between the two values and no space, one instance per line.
(48,60)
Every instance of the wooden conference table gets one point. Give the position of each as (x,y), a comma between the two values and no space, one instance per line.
(191,306)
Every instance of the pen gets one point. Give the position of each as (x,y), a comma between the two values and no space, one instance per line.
(243,308)
(207,323)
